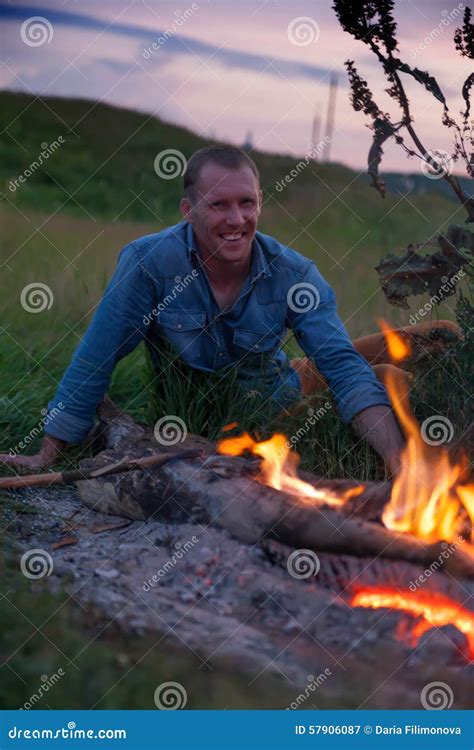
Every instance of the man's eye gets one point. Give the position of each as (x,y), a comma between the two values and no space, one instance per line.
(217,204)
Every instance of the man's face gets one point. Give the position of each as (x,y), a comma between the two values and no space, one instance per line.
(224,211)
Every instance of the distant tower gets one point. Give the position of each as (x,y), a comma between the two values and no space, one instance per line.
(330,115)
(315,135)
(248,143)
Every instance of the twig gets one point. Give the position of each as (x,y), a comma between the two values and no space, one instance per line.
(75,475)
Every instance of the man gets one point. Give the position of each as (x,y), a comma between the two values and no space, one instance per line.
(222,294)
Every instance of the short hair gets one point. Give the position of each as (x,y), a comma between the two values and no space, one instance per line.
(225,156)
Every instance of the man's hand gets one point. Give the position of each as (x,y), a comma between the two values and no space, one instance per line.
(50,450)
(379,427)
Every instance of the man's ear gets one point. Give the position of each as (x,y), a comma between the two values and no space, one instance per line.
(185,207)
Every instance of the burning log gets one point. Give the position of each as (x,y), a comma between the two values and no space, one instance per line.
(216,490)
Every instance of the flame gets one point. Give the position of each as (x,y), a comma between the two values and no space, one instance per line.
(432,609)
(279,468)
(428,498)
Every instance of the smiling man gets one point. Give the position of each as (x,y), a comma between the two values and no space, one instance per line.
(223,295)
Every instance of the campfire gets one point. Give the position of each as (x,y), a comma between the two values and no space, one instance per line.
(429,609)
(430,500)
(279,468)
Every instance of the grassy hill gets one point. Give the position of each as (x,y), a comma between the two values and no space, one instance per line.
(103,175)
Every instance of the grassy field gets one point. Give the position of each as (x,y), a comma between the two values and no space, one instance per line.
(66,224)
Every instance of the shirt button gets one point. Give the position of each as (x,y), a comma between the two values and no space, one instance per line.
(179,326)
(257,346)
(221,354)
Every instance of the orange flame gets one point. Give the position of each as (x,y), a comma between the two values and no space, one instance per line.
(279,468)
(433,609)
(428,498)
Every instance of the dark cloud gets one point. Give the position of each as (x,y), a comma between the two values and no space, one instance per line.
(174,44)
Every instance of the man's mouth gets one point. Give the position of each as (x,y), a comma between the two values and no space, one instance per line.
(232,236)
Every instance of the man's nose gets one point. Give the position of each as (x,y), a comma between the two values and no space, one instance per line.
(234,216)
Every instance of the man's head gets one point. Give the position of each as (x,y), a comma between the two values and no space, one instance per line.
(222,201)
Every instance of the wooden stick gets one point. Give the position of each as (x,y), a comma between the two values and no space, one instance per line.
(75,475)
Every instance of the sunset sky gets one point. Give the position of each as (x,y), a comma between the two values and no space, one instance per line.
(230,67)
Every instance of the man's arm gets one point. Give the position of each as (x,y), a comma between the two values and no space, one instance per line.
(118,326)
(361,399)
(379,427)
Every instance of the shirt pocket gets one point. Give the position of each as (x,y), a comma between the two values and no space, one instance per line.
(254,349)
(184,330)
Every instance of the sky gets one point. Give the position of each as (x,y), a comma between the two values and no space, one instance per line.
(224,68)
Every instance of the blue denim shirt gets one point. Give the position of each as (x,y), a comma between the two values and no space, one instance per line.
(160,290)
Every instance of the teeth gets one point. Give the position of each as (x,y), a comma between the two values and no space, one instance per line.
(232,236)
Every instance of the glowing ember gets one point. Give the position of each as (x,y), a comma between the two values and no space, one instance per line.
(432,609)
(428,499)
(279,468)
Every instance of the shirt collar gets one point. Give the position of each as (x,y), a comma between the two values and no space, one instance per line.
(259,266)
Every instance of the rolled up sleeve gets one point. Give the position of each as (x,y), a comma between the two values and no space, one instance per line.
(322,336)
(120,323)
